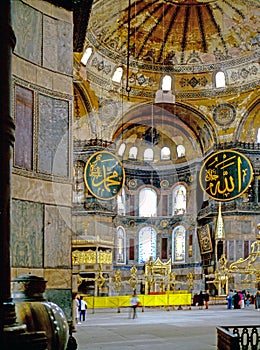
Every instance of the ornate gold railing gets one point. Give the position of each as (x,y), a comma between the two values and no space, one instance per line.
(250,267)
(80,257)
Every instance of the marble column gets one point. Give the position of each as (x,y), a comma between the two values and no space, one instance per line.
(13,336)
(7,43)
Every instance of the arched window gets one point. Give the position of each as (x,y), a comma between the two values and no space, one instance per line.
(121,203)
(258,136)
(148,154)
(133,153)
(121,246)
(86,56)
(178,244)
(121,149)
(220,80)
(147,244)
(165,153)
(179,200)
(117,76)
(147,202)
(181,151)
(167,83)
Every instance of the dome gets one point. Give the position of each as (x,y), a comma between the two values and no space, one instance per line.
(186,39)
(167,32)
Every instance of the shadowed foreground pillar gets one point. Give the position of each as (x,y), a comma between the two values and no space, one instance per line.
(12,335)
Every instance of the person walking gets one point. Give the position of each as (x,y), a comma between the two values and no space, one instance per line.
(83,309)
(134,301)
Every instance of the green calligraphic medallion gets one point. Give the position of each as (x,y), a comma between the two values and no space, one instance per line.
(104,175)
(226,175)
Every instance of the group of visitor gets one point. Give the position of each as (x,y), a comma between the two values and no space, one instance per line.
(238,299)
(80,309)
(202,299)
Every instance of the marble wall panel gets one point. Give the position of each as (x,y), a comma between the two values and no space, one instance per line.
(57,237)
(42,39)
(27,234)
(38,190)
(50,37)
(27,25)
(23,149)
(53,154)
(246,227)
(61,297)
(58,278)
(19,271)
(57,49)
(65,48)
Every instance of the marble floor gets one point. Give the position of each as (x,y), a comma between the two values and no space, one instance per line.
(158,329)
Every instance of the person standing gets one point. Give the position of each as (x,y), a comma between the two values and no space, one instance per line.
(257,300)
(230,299)
(76,308)
(134,301)
(236,298)
(247,299)
(83,309)
(200,300)
(206,298)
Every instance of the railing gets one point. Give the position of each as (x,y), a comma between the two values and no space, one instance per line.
(164,300)
(237,207)
(238,337)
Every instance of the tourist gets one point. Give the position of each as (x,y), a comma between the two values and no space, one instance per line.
(257,300)
(247,299)
(236,298)
(200,300)
(206,298)
(134,302)
(230,299)
(76,309)
(83,309)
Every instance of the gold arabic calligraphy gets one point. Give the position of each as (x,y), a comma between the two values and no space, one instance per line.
(107,177)
(226,174)
(104,175)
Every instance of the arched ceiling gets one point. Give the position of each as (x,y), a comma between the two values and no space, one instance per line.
(167,32)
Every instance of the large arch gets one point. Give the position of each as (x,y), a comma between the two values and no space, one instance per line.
(170,119)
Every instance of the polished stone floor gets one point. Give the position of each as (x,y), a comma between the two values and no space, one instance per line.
(158,329)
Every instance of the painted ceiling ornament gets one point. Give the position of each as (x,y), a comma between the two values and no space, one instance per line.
(132,183)
(224,114)
(164,183)
(104,175)
(226,175)
(164,223)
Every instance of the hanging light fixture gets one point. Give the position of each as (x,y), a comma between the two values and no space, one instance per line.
(128,88)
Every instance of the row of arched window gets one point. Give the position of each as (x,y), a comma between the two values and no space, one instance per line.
(219,77)
(147,246)
(148,202)
(148,153)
